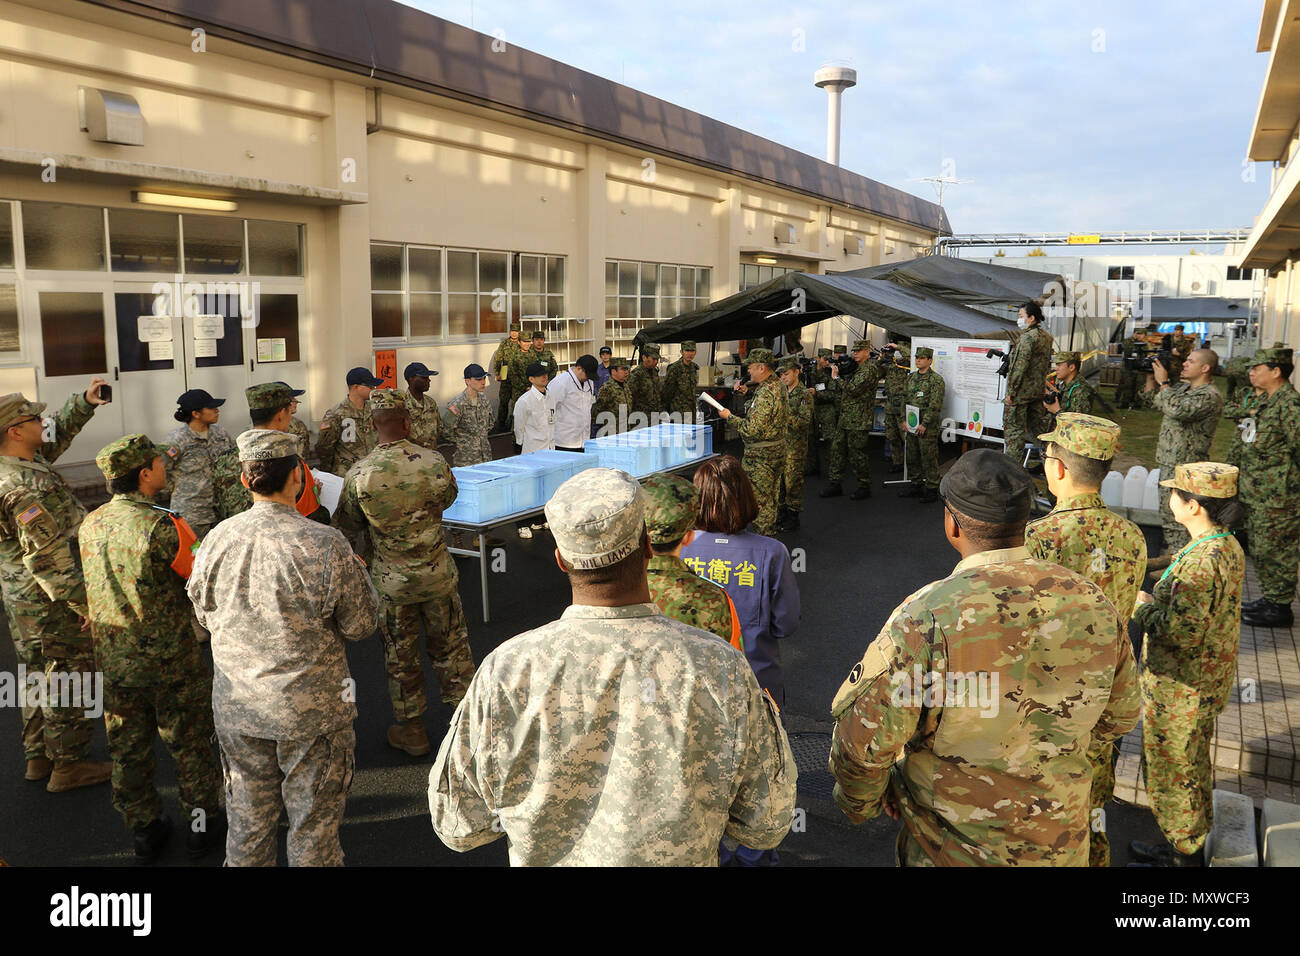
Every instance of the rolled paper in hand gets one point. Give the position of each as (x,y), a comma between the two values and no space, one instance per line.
(706,397)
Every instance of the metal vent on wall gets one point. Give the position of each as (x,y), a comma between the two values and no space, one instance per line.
(110,117)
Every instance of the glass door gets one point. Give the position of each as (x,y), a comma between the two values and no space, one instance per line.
(150,359)
(273,337)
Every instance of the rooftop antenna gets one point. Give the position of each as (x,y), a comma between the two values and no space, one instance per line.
(834,80)
(945,179)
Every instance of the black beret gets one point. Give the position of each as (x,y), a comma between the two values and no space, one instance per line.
(988,486)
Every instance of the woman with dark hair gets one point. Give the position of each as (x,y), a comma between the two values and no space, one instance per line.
(200,458)
(1189,662)
(754,569)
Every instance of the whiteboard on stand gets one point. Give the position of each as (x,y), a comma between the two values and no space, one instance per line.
(973,389)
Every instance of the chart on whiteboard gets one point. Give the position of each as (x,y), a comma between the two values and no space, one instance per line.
(976,375)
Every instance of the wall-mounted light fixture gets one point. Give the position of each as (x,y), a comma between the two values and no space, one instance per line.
(184,202)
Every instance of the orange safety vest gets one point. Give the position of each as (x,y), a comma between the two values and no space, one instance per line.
(188,543)
(308,503)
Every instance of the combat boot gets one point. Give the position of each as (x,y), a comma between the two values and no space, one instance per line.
(1269,614)
(72,774)
(38,768)
(1248,605)
(911,491)
(199,843)
(409,737)
(151,838)
(833,490)
(862,491)
(1164,855)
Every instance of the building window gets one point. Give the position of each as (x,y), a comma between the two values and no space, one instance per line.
(214,245)
(1122,273)
(423,293)
(277,328)
(142,241)
(752,274)
(1235,273)
(59,236)
(72,332)
(274,248)
(654,290)
(10,340)
(6,235)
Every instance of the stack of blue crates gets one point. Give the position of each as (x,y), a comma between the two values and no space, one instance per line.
(647,450)
(483,492)
(509,485)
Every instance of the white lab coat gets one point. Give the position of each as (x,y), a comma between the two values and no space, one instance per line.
(534,421)
(572,400)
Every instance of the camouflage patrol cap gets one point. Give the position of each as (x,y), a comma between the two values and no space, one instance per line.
(841,350)
(620,363)
(14,407)
(688,346)
(862,345)
(268,395)
(787,363)
(1273,356)
(1065,357)
(671,506)
(597,518)
(515,326)
(925,352)
(1210,479)
(761,357)
(125,455)
(650,350)
(266,444)
(824,353)
(382,398)
(1085,435)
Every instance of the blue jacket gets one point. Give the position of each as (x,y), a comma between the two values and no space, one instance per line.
(756,572)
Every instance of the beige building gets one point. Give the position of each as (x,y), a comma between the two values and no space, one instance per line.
(1274,242)
(202,195)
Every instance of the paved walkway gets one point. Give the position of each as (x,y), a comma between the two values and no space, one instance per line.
(1257,737)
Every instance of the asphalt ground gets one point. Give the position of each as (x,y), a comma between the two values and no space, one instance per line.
(860,559)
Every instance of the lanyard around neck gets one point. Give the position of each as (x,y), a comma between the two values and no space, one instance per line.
(1188,549)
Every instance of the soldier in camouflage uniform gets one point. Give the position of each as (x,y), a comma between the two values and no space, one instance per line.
(1084,535)
(1241,404)
(1073,394)
(43,590)
(971,714)
(800,401)
(136,556)
(501,363)
(672,506)
(619,736)
(613,407)
(426,419)
(645,387)
(857,414)
(346,433)
(519,362)
(397,494)
(280,595)
(296,425)
(764,429)
(895,365)
(1270,488)
(1031,359)
(1189,662)
(925,389)
(1130,379)
(467,421)
(1181,346)
(194,454)
(825,410)
(1191,415)
(678,392)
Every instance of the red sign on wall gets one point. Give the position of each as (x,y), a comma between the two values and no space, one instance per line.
(386,366)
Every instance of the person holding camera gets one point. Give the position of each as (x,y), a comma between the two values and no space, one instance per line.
(1189,660)
(1027,368)
(857,412)
(1191,410)
(1070,393)
(826,409)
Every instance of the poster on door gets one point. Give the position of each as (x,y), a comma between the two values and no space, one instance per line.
(271,350)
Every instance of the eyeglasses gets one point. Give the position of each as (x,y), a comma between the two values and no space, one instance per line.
(24,422)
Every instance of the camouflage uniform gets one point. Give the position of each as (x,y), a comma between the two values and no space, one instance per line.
(925,391)
(1240,409)
(857,414)
(42,587)
(193,462)
(467,424)
(1270,489)
(1079,397)
(1178,355)
(1191,416)
(1130,380)
(519,363)
(1189,665)
(614,736)
(426,420)
(613,401)
(672,504)
(764,430)
(503,357)
(973,788)
(280,594)
(645,388)
(1031,359)
(895,376)
(337,451)
(155,682)
(796,442)
(678,392)
(398,493)
(302,433)
(825,409)
(1084,535)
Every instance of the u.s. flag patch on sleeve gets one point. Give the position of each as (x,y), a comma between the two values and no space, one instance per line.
(31,514)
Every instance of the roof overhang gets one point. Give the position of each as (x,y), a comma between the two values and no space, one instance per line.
(1276,236)
(787,253)
(1278,110)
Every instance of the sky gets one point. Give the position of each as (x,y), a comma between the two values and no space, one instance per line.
(1066,116)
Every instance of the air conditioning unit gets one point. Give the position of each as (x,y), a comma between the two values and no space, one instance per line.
(853,245)
(784,233)
(110,117)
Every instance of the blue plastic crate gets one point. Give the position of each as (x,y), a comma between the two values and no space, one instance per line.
(483,493)
(529,475)
(563,466)
(636,459)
